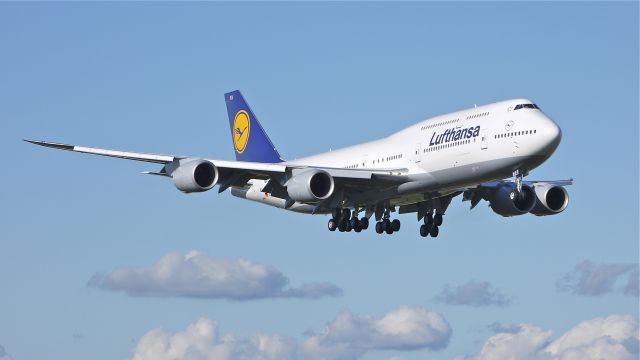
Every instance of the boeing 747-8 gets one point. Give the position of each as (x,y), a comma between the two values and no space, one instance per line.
(420,169)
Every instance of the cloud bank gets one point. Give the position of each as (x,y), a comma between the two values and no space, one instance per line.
(348,336)
(591,279)
(612,337)
(197,275)
(4,355)
(473,293)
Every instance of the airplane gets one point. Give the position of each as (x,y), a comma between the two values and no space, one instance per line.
(420,169)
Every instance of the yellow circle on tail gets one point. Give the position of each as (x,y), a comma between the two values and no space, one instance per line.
(241,129)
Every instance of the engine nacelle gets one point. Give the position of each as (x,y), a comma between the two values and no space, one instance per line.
(552,199)
(310,186)
(506,202)
(197,175)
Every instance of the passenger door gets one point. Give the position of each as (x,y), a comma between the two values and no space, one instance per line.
(418,153)
(484,139)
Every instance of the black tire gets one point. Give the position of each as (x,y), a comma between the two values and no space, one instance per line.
(434,232)
(336,213)
(364,223)
(424,231)
(438,220)
(387,226)
(346,214)
(357,229)
(379,228)
(332,225)
(342,225)
(395,225)
(349,227)
(354,223)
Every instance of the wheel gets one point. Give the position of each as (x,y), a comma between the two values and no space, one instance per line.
(395,225)
(349,227)
(434,231)
(336,213)
(379,228)
(357,229)
(424,231)
(438,219)
(342,225)
(332,225)
(387,226)
(354,223)
(364,223)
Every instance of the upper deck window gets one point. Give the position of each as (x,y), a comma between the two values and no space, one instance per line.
(526,106)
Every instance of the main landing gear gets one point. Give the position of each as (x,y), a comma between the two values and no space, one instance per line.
(387,225)
(431,224)
(345,220)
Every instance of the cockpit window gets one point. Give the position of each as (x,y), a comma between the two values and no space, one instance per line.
(526,106)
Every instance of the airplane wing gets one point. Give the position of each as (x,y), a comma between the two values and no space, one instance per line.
(237,173)
(494,184)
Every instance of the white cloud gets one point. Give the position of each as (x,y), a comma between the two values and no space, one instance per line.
(202,341)
(591,279)
(197,275)
(613,337)
(523,344)
(405,328)
(348,336)
(4,355)
(473,293)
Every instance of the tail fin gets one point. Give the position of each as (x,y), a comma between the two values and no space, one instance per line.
(250,141)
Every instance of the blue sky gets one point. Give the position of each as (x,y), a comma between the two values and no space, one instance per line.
(150,77)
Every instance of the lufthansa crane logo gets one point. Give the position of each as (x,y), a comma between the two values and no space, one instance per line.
(509,125)
(241,130)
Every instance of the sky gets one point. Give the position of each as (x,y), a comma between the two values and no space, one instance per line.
(99,261)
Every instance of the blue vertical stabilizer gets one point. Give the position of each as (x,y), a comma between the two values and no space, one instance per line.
(250,142)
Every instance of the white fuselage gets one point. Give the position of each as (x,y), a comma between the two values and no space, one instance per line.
(446,152)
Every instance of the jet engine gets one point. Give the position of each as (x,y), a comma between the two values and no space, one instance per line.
(197,175)
(310,186)
(552,199)
(506,202)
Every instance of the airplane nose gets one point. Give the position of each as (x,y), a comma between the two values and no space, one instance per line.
(553,135)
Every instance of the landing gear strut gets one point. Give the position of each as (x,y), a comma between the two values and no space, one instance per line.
(519,175)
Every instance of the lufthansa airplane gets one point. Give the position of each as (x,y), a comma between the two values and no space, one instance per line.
(419,169)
